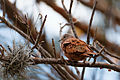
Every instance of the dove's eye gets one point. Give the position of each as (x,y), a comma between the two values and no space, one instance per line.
(64,37)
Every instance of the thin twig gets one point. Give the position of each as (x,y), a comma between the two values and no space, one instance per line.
(64,6)
(106,58)
(59,72)
(107,52)
(14,28)
(54,50)
(78,64)
(70,17)
(83,71)
(70,9)
(28,29)
(61,28)
(95,33)
(40,33)
(71,72)
(98,55)
(77,71)
(3,6)
(88,32)
(2,50)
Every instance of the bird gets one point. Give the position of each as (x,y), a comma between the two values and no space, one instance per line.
(75,49)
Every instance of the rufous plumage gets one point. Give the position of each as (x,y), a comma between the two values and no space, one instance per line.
(75,49)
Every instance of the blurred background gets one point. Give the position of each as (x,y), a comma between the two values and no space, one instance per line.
(106,21)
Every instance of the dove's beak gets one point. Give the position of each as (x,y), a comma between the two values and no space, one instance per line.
(60,40)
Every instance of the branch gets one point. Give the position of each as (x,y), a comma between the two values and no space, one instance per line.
(88,35)
(106,58)
(78,64)
(107,52)
(89,27)
(40,33)
(14,28)
(70,17)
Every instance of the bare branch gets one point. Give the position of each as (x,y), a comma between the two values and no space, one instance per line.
(70,17)
(14,28)
(106,58)
(89,27)
(107,52)
(40,33)
(3,6)
(88,35)
(54,50)
(70,9)
(79,64)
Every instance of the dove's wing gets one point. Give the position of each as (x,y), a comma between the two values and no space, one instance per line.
(73,45)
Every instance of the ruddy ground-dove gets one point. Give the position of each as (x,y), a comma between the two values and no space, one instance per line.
(75,49)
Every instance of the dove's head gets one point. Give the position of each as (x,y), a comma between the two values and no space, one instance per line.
(65,36)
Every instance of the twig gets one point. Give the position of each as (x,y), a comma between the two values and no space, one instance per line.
(83,71)
(70,17)
(88,35)
(89,27)
(106,58)
(61,28)
(2,50)
(3,6)
(40,33)
(98,55)
(71,3)
(95,33)
(107,52)
(60,72)
(54,50)
(28,29)
(39,17)
(77,71)
(78,64)
(14,28)
(71,72)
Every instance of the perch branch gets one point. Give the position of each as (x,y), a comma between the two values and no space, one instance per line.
(79,64)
